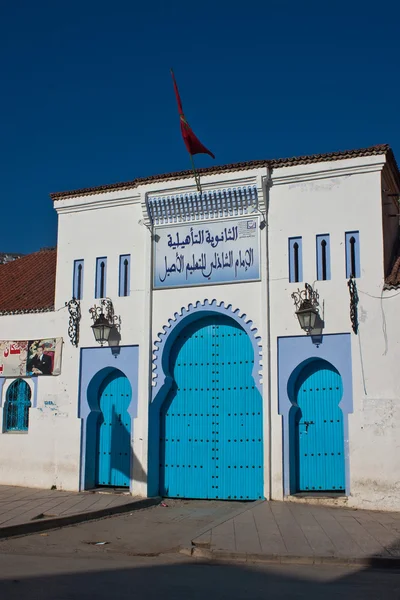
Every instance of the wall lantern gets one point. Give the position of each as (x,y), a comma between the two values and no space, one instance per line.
(306,303)
(104,321)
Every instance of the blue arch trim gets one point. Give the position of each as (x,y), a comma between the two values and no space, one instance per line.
(95,365)
(187,315)
(162,379)
(294,353)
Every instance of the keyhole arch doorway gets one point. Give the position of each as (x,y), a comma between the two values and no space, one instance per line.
(211,438)
(316,422)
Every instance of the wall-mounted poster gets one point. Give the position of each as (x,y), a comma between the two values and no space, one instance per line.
(207,253)
(30,358)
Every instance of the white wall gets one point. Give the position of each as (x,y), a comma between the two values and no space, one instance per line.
(249,297)
(107,225)
(334,198)
(304,200)
(48,454)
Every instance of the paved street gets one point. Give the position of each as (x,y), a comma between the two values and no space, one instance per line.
(136,555)
(179,578)
(160,529)
(287,529)
(19,505)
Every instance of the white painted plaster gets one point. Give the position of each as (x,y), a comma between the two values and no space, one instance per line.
(304,200)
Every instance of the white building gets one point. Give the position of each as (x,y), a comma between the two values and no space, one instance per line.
(208,387)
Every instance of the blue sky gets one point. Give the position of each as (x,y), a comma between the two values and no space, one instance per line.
(87,97)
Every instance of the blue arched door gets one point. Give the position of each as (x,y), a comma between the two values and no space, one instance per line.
(318,422)
(114,431)
(211,422)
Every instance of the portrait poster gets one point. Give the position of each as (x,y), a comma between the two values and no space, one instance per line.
(30,358)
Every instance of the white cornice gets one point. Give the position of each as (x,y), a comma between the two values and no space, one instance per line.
(208,183)
(328,173)
(72,205)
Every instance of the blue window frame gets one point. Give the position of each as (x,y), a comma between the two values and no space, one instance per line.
(323,257)
(352,239)
(77,286)
(18,403)
(295,259)
(124,274)
(101,277)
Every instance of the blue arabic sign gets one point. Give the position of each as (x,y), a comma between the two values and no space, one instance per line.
(207,253)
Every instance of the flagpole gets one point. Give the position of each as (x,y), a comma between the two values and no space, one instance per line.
(196,175)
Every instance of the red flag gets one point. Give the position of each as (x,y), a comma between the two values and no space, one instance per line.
(192,143)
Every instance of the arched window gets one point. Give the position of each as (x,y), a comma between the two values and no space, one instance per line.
(18,403)
(353,254)
(124,274)
(295,260)
(323,257)
(78,280)
(101,274)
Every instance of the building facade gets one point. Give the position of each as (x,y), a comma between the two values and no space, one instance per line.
(207,386)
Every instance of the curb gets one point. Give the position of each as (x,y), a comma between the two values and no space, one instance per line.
(37,526)
(373,562)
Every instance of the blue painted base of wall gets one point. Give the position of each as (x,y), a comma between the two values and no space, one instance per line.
(294,353)
(96,364)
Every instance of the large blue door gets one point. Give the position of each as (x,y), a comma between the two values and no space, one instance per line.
(211,422)
(114,431)
(319,429)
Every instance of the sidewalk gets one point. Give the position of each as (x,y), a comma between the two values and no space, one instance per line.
(28,510)
(299,533)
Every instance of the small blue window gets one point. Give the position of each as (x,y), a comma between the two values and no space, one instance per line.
(77,288)
(353,268)
(295,260)
(101,275)
(323,257)
(124,274)
(18,403)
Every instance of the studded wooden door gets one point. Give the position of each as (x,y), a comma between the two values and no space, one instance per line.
(319,429)
(211,422)
(114,431)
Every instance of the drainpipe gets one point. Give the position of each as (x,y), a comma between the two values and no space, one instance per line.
(266,184)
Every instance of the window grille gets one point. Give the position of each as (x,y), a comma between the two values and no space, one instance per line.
(18,403)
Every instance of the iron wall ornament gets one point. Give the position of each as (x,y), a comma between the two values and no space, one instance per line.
(307,302)
(106,324)
(106,309)
(353,304)
(308,296)
(74,310)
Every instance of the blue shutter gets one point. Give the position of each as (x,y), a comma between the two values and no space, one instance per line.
(353,254)
(295,259)
(101,277)
(77,285)
(124,274)
(323,257)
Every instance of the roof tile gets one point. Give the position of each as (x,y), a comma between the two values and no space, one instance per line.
(28,283)
(241,166)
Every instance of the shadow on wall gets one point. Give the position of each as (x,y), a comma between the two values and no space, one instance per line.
(194,581)
(109,456)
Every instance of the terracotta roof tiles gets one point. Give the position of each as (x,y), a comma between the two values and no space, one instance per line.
(392,281)
(241,166)
(27,284)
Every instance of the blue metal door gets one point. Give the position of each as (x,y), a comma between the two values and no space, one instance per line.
(114,431)
(319,429)
(211,421)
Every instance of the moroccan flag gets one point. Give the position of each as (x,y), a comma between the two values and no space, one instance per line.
(192,143)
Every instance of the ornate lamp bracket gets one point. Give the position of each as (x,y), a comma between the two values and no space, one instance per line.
(74,309)
(307,297)
(353,304)
(106,309)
